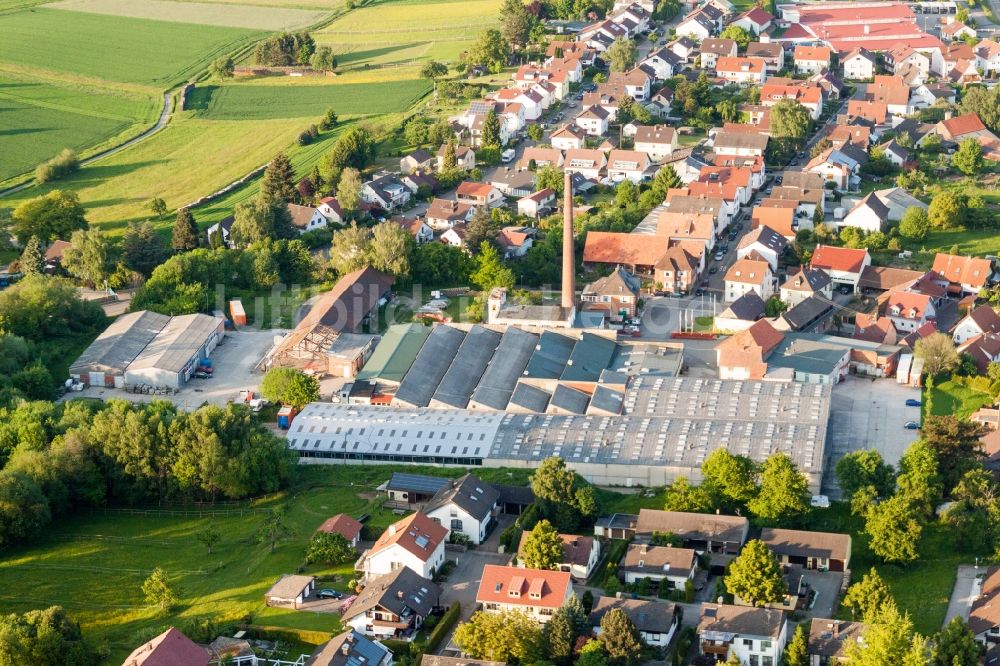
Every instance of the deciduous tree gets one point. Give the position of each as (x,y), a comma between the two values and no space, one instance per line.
(349,249)
(755,576)
(969,157)
(323,59)
(955,645)
(157,206)
(543,547)
(432,69)
(46,637)
(859,469)
(349,191)
(937,352)
(289,386)
(329,548)
(741,36)
(88,257)
(505,636)
(947,210)
(223,67)
(682,496)
(956,443)
(51,216)
(732,476)
(784,490)
(209,538)
(515,23)
(621,55)
(914,225)
(158,591)
(894,530)
(390,249)
(867,597)
(490,271)
(274,529)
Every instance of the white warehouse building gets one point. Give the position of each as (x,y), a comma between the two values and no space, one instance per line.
(173,354)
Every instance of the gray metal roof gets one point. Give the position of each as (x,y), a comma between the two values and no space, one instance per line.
(803,352)
(591,355)
(530,398)
(430,366)
(179,341)
(498,382)
(806,311)
(120,343)
(570,399)
(467,367)
(551,354)
(607,400)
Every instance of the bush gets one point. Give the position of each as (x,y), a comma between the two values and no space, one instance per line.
(58,167)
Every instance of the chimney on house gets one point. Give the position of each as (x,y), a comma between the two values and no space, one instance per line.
(568,261)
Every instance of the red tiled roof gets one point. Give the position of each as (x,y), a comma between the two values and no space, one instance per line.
(523,587)
(343,525)
(606,247)
(748,271)
(821,53)
(749,348)
(171,648)
(417,533)
(472,189)
(964,124)
(846,259)
(907,305)
(962,270)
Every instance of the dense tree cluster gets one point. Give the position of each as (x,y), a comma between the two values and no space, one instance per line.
(46,637)
(285,49)
(57,458)
(563,496)
(772,491)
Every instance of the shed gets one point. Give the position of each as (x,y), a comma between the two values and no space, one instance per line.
(290,591)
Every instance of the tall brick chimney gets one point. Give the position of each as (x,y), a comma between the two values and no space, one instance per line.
(568,260)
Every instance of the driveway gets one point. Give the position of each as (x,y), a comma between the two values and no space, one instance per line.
(867,414)
(967,587)
(463,582)
(827,586)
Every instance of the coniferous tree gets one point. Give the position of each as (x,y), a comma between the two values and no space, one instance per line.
(279,180)
(32,258)
(185,235)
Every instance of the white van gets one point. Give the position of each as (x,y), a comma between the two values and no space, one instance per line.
(507,156)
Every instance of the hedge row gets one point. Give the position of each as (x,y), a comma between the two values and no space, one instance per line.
(448,621)
(267,632)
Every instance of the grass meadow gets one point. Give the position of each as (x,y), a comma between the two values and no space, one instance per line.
(260,101)
(202,13)
(41,118)
(158,54)
(406,31)
(94,563)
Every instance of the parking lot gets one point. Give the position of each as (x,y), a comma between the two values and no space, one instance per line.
(233,363)
(866,414)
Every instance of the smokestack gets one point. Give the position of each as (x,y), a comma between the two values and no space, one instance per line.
(568,265)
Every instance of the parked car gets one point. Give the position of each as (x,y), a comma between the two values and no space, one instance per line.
(845,289)
(820,501)
(327,593)
(713,270)
(199,374)
(720,255)
(911,425)
(704,283)
(699,291)
(912,402)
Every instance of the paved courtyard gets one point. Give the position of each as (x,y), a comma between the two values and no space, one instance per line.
(827,586)
(866,414)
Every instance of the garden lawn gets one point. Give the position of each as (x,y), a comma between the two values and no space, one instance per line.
(41,118)
(158,54)
(259,101)
(201,13)
(952,398)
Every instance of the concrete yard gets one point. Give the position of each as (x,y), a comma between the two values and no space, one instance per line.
(866,414)
(968,583)
(233,362)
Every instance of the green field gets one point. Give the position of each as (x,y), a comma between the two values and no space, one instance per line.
(41,118)
(128,50)
(406,31)
(203,13)
(247,101)
(94,564)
